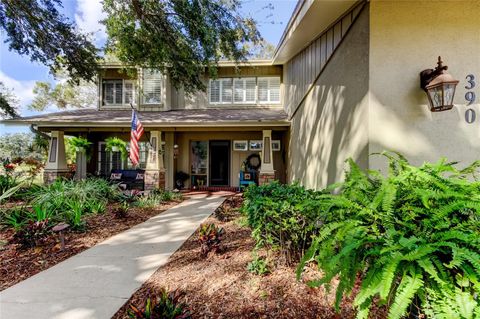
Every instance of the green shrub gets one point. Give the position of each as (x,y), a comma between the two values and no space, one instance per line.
(412,238)
(74,215)
(258,266)
(282,217)
(163,305)
(15,217)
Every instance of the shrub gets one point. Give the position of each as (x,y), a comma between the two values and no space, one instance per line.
(258,266)
(74,215)
(411,238)
(35,233)
(121,211)
(162,306)
(15,217)
(156,197)
(282,217)
(210,237)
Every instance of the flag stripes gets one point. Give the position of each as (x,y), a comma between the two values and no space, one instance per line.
(135,134)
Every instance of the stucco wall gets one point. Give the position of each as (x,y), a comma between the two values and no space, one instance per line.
(331,124)
(406,38)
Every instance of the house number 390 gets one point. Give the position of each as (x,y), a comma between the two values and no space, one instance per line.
(470,97)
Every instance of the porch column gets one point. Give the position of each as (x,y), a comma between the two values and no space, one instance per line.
(267,173)
(81,164)
(56,165)
(155,171)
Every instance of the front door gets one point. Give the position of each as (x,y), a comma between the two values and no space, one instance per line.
(219,163)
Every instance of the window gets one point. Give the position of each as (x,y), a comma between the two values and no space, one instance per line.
(118,92)
(269,90)
(244,90)
(152,86)
(221,91)
(249,90)
(113,160)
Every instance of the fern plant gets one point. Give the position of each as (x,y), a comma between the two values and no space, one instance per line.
(411,238)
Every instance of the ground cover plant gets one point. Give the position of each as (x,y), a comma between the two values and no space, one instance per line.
(410,238)
(161,305)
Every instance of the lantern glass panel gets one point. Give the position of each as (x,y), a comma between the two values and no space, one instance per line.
(436,96)
(449,90)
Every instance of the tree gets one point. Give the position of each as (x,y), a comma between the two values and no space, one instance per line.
(21,145)
(37,29)
(63,95)
(182,37)
(264,50)
(8,102)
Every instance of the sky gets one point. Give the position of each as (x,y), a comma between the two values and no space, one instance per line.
(20,74)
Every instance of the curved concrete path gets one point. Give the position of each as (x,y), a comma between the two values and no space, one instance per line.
(98,281)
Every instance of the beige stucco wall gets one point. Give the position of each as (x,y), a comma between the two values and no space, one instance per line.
(406,38)
(183,159)
(331,125)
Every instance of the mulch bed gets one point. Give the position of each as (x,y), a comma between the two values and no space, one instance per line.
(220,286)
(17,264)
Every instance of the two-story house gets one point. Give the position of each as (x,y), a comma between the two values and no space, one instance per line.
(344,82)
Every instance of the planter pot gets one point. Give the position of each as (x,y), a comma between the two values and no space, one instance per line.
(115,149)
(80,149)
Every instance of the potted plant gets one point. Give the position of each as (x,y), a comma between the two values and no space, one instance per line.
(115,144)
(80,143)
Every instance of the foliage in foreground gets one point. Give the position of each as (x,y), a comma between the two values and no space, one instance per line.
(282,217)
(258,266)
(165,305)
(210,237)
(412,238)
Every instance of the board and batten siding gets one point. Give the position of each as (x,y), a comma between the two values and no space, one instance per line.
(329,104)
(300,72)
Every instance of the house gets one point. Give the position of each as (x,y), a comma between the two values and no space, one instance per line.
(344,82)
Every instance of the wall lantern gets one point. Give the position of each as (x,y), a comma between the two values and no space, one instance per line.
(440,87)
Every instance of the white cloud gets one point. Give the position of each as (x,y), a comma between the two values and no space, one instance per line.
(88,16)
(23,90)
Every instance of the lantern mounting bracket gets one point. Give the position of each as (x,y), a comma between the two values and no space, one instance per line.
(428,75)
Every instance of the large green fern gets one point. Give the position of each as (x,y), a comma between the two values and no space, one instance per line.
(412,238)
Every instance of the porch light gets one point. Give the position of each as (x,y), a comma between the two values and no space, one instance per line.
(440,87)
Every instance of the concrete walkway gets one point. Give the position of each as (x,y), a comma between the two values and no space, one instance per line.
(98,281)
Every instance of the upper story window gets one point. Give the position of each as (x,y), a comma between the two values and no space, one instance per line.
(152,87)
(269,90)
(118,92)
(248,90)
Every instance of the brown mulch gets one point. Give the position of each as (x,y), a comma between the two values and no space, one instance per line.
(220,286)
(17,264)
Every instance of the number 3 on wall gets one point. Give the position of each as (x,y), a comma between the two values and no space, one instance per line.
(471,80)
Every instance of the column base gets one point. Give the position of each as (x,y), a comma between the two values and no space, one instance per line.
(50,176)
(154,179)
(265,178)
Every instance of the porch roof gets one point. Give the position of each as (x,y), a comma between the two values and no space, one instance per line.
(175,118)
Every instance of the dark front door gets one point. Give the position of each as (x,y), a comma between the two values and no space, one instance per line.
(219,163)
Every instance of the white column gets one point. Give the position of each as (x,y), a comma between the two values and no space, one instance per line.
(56,165)
(56,153)
(155,154)
(267,153)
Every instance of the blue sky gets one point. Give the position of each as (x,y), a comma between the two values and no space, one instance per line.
(19,74)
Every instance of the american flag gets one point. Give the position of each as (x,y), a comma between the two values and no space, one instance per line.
(135,134)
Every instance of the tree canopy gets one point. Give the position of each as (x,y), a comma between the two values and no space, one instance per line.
(182,37)
(8,102)
(36,28)
(63,95)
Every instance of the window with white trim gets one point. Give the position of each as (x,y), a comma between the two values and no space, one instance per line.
(244,90)
(106,161)
(118,92)
(152,86)
(269,90)
(248,90)
(221,90)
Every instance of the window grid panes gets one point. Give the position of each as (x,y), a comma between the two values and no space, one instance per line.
(118,92)
(152,86)
(248,90)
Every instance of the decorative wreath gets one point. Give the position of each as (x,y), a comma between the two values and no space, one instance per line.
(253,161)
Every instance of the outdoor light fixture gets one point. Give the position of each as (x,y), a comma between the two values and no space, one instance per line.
(440,87)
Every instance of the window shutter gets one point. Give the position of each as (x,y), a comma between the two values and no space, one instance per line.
(226,90)
(238,85)
(274,87)
(118,92)
(108,88)
(129,93)
(263,89)
(250,84)
(152,86)
(214,91)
